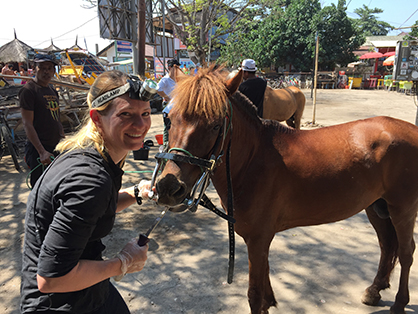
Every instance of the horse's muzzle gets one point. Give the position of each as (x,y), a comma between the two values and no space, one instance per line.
(171,192)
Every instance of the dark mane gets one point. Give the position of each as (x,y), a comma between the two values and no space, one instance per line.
(247,106)
(245,103)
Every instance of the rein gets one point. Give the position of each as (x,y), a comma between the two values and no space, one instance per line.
(207,167)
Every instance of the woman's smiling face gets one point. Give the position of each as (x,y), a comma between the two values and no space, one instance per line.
(124,126)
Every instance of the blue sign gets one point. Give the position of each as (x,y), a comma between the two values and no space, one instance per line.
(123,46)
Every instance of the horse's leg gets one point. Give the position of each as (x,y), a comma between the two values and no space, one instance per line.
(269,299)
(297,116)
(405,231)
(388,242)
(291,122)
(260,294)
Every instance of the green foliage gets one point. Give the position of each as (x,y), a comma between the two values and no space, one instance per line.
(193,21)
(413,34)
(368,23)
(287,36)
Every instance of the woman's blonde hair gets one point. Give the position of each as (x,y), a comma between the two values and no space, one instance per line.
(89,135)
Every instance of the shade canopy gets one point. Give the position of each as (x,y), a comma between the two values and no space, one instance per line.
(389,61)
(372,55)
(14,51)
(353,64)
(389,53)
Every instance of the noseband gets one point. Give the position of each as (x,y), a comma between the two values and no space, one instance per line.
(207,166)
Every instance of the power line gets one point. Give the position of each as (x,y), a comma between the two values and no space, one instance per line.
(408,18)
(68,31)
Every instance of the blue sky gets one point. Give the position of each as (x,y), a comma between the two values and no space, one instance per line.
(36,22)
(396,13)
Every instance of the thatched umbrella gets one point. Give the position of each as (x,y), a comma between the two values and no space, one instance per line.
(52,48)
(14,51)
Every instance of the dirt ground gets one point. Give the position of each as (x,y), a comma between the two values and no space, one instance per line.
(322,269)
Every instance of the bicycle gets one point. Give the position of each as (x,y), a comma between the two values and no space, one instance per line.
(7,142)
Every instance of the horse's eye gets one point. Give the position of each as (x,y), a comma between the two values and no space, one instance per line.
(217,127)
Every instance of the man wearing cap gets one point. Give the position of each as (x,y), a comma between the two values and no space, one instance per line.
(164,89)
(39,105)
(253,87)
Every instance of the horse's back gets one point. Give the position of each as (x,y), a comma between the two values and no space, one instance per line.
(374,149)
(353,139)
(283,104)
(341,169)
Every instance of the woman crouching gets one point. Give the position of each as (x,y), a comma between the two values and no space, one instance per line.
(73,205)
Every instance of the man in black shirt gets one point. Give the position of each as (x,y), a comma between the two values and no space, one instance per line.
(253,87)
(40,110)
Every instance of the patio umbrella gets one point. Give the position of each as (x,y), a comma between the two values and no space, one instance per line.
(389,53)
(372,55)
(389,61)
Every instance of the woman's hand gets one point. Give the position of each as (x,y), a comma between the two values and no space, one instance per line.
(132,257)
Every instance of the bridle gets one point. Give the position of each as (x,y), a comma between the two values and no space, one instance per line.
(207,166)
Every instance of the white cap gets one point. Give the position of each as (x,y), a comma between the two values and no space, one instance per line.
(249,65)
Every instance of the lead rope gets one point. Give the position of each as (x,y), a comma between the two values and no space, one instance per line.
(230,211)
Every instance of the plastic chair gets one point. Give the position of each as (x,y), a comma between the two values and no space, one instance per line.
(407,87)
(387,83)
(380,84)
(401,84)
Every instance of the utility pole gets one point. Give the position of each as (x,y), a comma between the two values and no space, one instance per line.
(163,38)
(141,38)
(315,78)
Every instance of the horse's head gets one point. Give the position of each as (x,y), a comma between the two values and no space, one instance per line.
(200,121)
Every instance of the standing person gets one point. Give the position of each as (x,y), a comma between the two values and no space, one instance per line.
(165,87)
(39,105)
(197,69)
(74,203)
(253,86)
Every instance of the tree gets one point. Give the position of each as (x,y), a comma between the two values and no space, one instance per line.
(369,24)
(413,34)
(287,36)
(339,36)
(193,20)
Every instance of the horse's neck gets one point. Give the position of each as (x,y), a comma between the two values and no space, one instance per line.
(245,131)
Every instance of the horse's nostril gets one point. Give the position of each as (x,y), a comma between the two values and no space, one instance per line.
(181,191)
(170,190)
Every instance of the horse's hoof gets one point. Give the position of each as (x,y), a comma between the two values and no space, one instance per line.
(397,310)
(371,297)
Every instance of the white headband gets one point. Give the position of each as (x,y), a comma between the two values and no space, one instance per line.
(108,96)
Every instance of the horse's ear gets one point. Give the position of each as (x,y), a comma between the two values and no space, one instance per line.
(178,73)
(233,83)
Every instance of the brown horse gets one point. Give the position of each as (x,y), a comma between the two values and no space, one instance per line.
(283,178)
(284,104)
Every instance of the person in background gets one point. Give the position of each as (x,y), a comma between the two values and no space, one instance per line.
(23,71)
(165,87)
(74,203)
(39,106)
(184,68)
(253,87)
(8,70)
(197,68)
